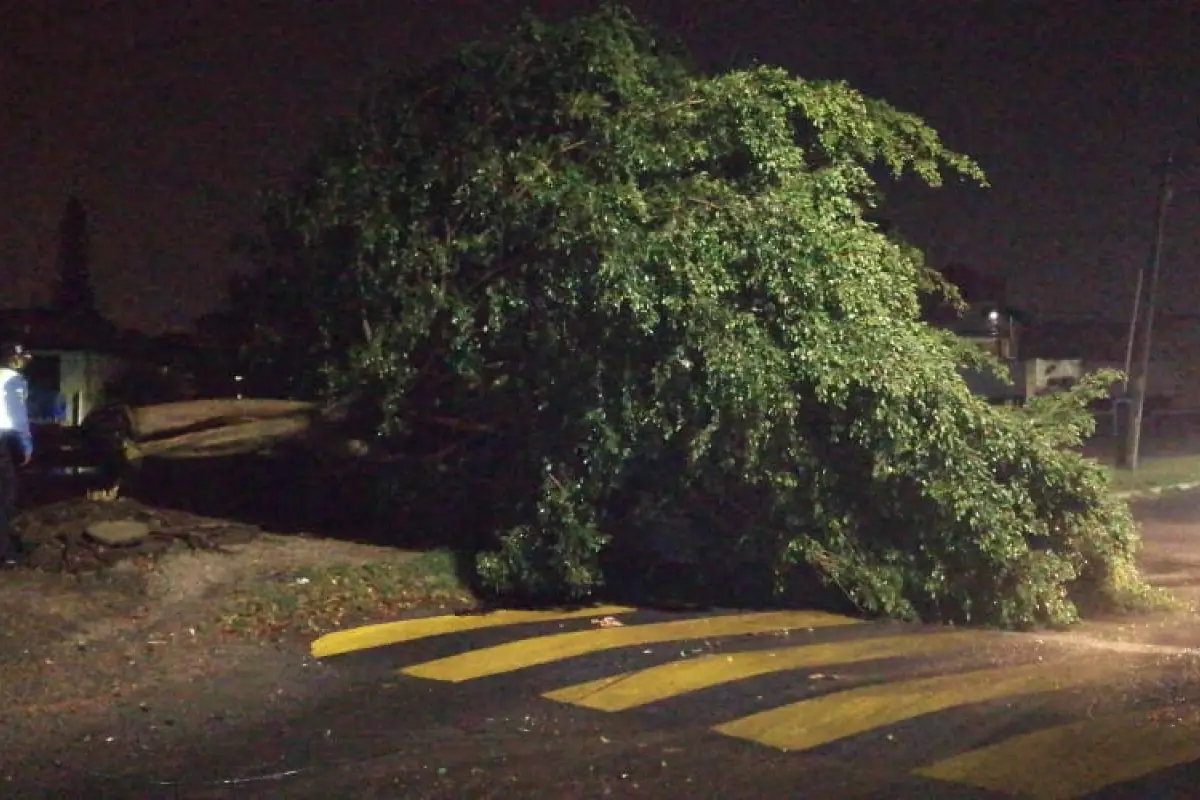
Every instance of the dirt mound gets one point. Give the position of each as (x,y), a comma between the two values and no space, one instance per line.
(55,536)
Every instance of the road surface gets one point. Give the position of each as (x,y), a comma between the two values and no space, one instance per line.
(627,703)
(612,702)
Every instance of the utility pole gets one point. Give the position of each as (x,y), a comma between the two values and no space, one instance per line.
(1133,432)
(1133,329)
(1120,405)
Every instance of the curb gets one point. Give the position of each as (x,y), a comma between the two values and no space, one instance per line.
(1140,494)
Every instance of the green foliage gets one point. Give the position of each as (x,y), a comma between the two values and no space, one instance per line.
(557,552)
(1061,417)
(608,299)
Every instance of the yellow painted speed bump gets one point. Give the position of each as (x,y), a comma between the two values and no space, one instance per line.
(821,720)
(1078,759)
(559,647)
(387,633)
(634,689)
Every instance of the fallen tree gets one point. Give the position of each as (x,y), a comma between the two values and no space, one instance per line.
(174,419)
(212,428)
(604,300)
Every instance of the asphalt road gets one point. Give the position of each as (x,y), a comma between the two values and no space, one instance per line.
(714,705)
(616,702)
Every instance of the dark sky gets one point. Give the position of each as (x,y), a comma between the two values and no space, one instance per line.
(171,116)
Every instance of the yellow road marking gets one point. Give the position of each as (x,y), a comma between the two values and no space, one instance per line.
(369,636)
(633,689)
(815,722)
(1075,760)
(558,647)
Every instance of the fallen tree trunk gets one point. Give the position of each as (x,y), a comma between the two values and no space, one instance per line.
(123,436)
(236,438)
(165,418)
(227,427)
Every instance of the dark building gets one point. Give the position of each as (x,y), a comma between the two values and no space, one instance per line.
(76,351)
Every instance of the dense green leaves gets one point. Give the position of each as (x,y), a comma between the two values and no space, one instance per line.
(626,306)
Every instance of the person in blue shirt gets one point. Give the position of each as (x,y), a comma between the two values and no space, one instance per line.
(16,442)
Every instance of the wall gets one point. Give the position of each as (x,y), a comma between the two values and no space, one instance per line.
(985,384)
(1175,357)
(84,376)
(1028,376)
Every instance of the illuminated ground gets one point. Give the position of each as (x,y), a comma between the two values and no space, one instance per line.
(632,703)
(700,705)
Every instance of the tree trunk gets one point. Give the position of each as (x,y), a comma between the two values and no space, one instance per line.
(174,418)
(226,427)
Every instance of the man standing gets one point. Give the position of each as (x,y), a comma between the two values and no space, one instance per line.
(16,441)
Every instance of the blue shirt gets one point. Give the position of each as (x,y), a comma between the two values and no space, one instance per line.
(14,411)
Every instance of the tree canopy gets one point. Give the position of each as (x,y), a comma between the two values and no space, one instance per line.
(606,300)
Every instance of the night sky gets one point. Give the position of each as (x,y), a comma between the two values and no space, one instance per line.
(169,118)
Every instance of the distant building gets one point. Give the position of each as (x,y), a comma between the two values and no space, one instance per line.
(988,322)
(73,360)
(76,351)
(1174,378)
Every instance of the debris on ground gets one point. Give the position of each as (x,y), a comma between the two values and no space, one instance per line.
(118,532)
(95,620)
(216,572)
(319,599)
(79,536)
